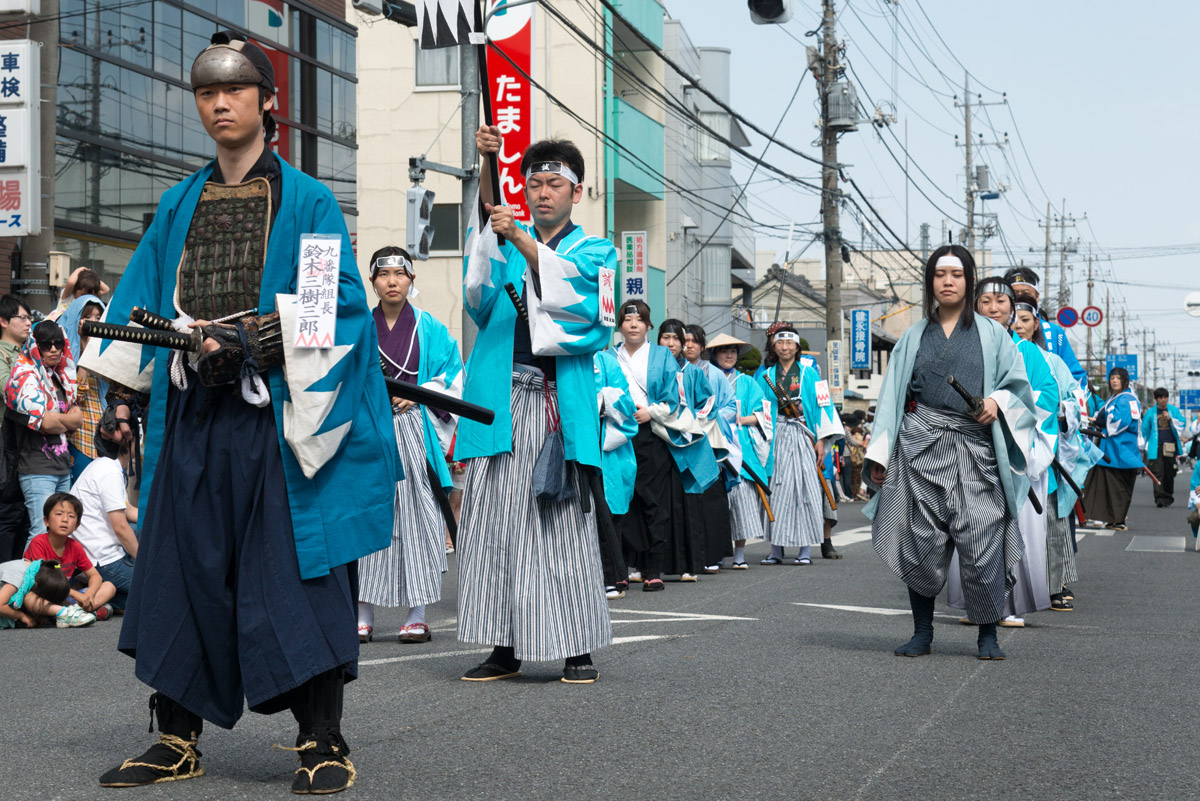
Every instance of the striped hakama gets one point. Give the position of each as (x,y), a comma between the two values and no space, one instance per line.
(529,570)
(943,494)
(744,512)
(409,571)
(796,495)
(1060,555)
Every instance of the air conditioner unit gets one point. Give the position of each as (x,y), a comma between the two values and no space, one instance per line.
(369,6)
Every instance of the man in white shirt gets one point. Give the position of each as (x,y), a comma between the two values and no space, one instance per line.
(104,530)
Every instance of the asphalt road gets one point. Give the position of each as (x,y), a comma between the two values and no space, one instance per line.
(746,685)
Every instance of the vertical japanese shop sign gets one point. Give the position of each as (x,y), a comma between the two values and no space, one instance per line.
(633,265)
(860,339)
(20,141)
(511,31)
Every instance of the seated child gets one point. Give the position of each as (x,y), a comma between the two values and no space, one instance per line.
(31,592)
(104,529)
(62,511)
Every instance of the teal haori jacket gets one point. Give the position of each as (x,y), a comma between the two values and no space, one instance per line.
(1004,381)
(332,411)
(564,323)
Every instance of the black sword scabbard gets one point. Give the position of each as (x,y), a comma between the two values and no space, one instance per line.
(974,402)
(439,400)
(150,320)
(172,340)
(515,297)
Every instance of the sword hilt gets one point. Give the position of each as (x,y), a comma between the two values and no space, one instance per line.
(173,340)
(974,402)
(516,301)
(149,319)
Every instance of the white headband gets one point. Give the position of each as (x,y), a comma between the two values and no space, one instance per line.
(388,262)
(556,167)
(949,260)
(788,336)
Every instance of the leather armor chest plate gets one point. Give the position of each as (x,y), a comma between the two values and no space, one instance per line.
(222,266)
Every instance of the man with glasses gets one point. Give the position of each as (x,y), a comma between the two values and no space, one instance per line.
(40,396)
(14,520)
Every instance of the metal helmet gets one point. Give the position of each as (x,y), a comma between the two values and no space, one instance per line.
(231,59)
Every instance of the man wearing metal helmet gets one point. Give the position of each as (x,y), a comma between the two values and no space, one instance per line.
(243,592)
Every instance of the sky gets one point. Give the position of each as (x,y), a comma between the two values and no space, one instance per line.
(1101,117)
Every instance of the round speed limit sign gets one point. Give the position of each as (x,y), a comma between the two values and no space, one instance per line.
(1091,316)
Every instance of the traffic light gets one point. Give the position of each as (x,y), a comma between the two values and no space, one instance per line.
(768,12)
(420,229)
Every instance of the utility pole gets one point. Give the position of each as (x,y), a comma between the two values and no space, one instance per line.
(1064,295)
(924,241)
(1046,267)
(1107,323)
(829,176)
(1088,367)
(972,183)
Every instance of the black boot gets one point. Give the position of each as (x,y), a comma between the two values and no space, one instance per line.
(173,757)
(317,707)
(922,639)
(989,646)
(828,551)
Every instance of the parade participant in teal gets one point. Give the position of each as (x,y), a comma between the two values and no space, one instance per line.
(801,504)
(756,431)
(1162,433)
(415,348)
(530,577)
(243,589)
(618,464)
(1024,280)
(948,481)
(1109,488)
(709,511)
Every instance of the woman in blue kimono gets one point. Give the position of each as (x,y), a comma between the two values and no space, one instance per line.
(618,467)
(708,513)
(672,456)
(949,481)
(1109,487)
(756,431)
(798,451)
(417,349)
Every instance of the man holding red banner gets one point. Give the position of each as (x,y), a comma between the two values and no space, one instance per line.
(530,578)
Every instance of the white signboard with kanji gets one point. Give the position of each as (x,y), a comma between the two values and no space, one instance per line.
(317,290)
(633,267)
(20,150)
(608,303)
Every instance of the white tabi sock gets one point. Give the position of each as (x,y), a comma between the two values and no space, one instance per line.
(366,615)
(739,554)
(415,615)
(776,551)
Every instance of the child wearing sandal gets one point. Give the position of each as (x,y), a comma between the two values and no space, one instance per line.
(31,593)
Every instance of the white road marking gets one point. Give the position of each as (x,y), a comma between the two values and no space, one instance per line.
(852,536)
(872,610)
(463,651)
(677,615)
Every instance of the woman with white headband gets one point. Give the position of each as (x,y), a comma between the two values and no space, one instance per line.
(801,506)
(950,477)
(417,349)
(1074,454)
(994,299)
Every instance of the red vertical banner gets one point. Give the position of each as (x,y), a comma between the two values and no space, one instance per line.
(511,31)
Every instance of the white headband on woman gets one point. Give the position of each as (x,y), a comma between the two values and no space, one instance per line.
(556,167)
(787,336)
(949,260)
(389,262)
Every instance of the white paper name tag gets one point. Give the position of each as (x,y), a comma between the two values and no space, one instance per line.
(822,388)
(608,307)
(317,290)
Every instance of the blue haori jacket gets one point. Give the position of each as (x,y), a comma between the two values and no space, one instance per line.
(1122,432)
(822,421)
(674,393)
(618,428)
(755,439)
(564,323)
(335,428)
(440,369)
(1150,430)
(1058,344)
(1004,381)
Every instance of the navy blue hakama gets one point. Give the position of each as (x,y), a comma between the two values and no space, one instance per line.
(217,611)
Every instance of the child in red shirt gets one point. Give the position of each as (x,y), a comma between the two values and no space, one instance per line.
(62,512)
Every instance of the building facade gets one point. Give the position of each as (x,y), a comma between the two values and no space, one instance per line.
(126,125)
